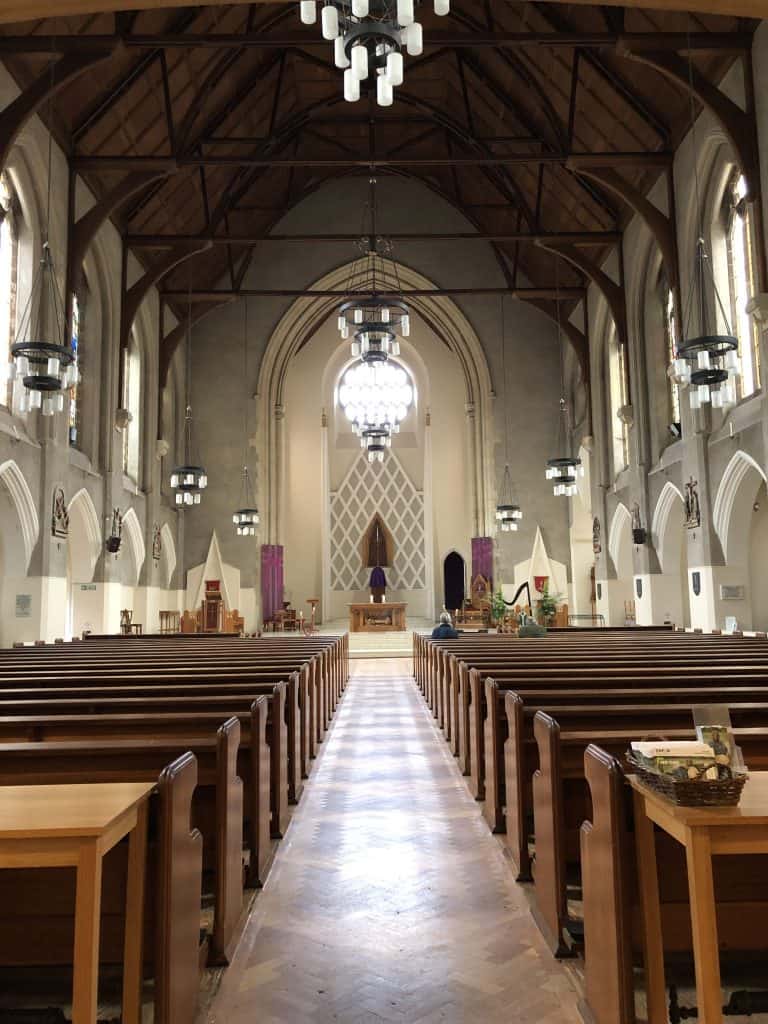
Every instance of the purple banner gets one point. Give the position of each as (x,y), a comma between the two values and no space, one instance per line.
(482,558)
(271,580)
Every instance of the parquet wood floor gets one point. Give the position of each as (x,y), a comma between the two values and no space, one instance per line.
(389,900)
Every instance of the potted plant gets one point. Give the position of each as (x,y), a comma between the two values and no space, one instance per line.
(498,607)
(546,607)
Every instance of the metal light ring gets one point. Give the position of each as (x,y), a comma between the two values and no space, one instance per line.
(369,33)
(705,378)
(376,328)
(716,344)
(374,355)
(373,302)
(564,463)
(42,382)
(42,351)
(565,480)
(507,508)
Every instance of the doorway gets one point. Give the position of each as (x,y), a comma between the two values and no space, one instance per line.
(453,581)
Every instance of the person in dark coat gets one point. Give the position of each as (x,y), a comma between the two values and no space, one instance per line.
(444,630)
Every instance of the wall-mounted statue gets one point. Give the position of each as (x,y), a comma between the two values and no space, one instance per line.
(59,514)
(692,506)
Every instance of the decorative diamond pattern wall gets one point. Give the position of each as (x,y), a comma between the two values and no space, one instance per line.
(384,488)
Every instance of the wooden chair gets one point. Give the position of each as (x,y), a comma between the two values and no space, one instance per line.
(170,622)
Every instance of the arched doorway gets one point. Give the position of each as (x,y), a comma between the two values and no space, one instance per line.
(454,575)
(84,601)
(670,538)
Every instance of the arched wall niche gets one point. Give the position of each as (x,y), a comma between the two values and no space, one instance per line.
(16,485)
(85,537)
(620,542)
(733,506)
(378,546)
(136,546)
(304,318)
(666,527)
(168,558)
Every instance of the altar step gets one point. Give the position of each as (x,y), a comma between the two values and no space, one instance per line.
(380,645)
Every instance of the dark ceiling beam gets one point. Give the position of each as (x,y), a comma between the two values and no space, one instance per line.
(563,237)
(104,103)
(55,77)
(144,163)
(704,42)
(612,292)
(217,294)
(621,86)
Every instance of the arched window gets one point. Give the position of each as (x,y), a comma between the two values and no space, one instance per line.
(617,380)
(671,339)
(75,392)
(131,400)
(741,280)
(9,253)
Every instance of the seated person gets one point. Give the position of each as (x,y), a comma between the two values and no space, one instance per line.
(529,627)
(444,630)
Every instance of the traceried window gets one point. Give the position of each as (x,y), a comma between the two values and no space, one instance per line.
(75,392)
(131,401)
(741,273)
(617,369)
(8,266)
(671,337)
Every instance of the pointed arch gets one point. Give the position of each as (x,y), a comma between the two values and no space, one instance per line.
(733,504)
(662,526)
(85,537)
(21,496)
(447,321)
(377,540)
(132,530)
(169,554)
(620,541)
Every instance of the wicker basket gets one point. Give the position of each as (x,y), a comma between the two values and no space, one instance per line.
(687,793)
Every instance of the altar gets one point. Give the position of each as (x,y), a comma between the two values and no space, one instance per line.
(368,617)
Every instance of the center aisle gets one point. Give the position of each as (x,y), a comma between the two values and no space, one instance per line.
(389,899)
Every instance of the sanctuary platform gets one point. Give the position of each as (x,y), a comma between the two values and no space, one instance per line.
(382,617)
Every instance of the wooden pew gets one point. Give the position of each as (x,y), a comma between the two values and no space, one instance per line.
(561,796)
(217,805)
(172,914)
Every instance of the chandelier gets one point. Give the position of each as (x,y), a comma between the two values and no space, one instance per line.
(376,398)
(246,519)
(508,512)
(45,368)
(189,479)
(565,470)
(373,320)
(368,38)
(708,362)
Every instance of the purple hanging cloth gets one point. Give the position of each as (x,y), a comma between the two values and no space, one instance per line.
(378,579)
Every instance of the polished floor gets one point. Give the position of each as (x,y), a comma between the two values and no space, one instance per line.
(389,899)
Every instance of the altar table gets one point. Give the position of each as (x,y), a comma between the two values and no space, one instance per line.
(76,825)
(368,617)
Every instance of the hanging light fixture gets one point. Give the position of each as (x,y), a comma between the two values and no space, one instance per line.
(374,321)
(368,38)
(246,518)
(44,367)
(707,359)
(376,397)
(189,479)
(42,363)
(564,470)
(508,512)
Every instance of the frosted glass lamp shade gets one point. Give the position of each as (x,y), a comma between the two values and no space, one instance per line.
(308,12)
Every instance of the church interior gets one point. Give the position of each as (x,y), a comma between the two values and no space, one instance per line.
(383,511)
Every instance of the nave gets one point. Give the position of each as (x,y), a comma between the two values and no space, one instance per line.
(389,899)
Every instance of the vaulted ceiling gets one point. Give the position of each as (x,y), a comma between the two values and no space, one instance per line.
(235,113)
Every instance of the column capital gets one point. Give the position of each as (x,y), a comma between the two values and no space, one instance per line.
(757,307)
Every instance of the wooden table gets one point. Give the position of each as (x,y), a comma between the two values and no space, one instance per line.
(704,832)
(75,826)
(369,617)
